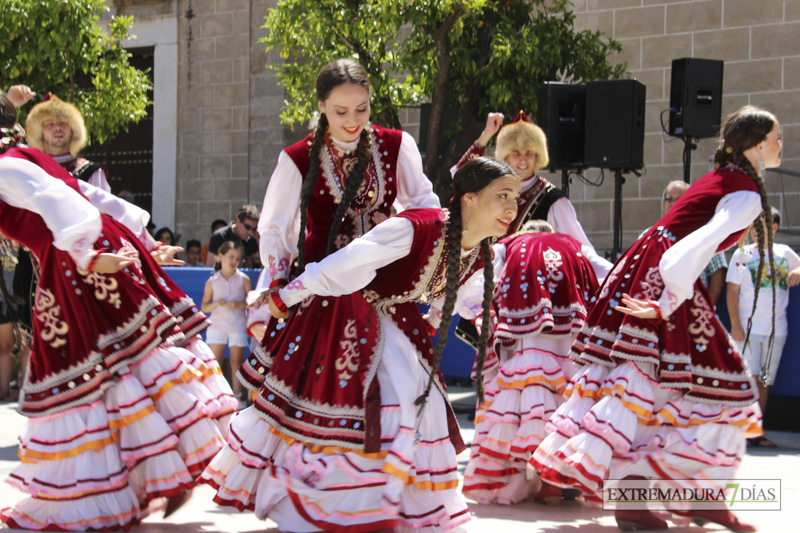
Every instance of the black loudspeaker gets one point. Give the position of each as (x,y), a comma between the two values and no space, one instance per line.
(695,97)
(615,124)
(562,115)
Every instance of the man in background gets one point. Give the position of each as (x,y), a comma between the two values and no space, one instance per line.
(242,229)
(56,128)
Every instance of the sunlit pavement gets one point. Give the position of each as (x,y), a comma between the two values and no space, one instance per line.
(202,515)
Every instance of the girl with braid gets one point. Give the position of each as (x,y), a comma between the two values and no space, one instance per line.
(118,416)
(351,429)
(663,392)
(543,283)
(334,185)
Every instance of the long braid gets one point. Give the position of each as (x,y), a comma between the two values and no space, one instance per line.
(451,290)
(309,181)
(354,181)
(765,236)
(486,316)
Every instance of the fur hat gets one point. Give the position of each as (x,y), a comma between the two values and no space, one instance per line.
(523,134)
(54,107)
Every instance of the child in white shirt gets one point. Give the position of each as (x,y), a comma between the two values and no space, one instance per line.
(740,294)
(224,297)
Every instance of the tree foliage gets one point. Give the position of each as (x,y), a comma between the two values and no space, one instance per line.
(59,46)
(465,57)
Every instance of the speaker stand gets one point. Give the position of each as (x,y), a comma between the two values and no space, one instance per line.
(688,146)
(619,180)
(565,181)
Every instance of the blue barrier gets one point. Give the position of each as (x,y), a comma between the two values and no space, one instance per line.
(193,282)
(458,356)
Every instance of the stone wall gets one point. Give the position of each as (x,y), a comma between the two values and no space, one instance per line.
(760,44)
(229,135)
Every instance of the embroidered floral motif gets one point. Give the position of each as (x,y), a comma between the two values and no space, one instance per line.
(49,314)
(278,268)
(347,362)
(702,327)
(296,285)
(371,296)
(105,288)
(612,277)
(652,284)
(553,263)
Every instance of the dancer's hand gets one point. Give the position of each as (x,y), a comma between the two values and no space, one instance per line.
(637,308)
(112,263)
(165,255)
(262,299)
(19,95)
(493,123)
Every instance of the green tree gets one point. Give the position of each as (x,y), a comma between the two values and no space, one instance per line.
(59,46)
(466,57)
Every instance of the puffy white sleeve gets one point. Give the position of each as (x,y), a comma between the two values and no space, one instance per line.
(682,264)
(564,219)
(98,179)
(279,225)
(469,302)
(131,216)
(414,189)
(261,314)
(600,265)
(75,224)
(354,266)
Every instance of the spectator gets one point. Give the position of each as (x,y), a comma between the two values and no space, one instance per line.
(8,316)
(166,236)
(193,253)
(242,230)
(740,294)
(713,276)
(56,128)
(127,195)
(217,224)
(224,297)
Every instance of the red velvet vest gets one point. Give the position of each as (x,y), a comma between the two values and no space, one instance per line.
(380,180)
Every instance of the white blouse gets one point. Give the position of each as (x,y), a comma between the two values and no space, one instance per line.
(74,223)
(131,216)
(353,267)
(279,225)
(681,265)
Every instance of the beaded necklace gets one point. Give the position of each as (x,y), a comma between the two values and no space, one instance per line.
(339,165)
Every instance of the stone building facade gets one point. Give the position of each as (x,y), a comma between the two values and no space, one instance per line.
(216,106)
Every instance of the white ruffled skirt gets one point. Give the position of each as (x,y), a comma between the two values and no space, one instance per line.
(619,422)
(522,393)
(97,466)
(303,487)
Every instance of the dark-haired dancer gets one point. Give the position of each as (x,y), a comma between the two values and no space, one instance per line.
(334,185)
(334,440)
(663,392)
(543,284)
(116,415)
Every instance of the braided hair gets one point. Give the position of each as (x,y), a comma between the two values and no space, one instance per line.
(8,112)
(332,75)
(471,177)
(743,130)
